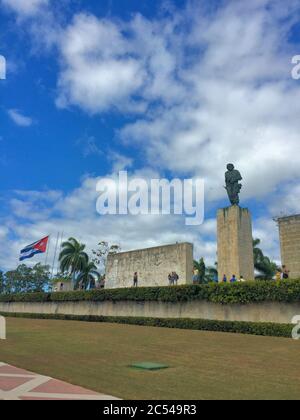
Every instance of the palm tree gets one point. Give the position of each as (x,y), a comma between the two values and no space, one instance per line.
(206,274)
(88,276)
(72,258)
(258,254)
(200,267)
(211,273)
(263,264)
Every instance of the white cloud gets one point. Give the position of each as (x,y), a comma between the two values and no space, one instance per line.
(19,119)
(286,201)
(3,232)
(207,88)
(34,205)
(120,162)
(98,71)
(240,104)
(117,65)
(25,8)
(210,88)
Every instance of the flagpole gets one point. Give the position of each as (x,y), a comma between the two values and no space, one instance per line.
(61,240)
(55,255)
(60,246)
(47,253)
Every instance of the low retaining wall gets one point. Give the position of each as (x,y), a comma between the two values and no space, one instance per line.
(281,313)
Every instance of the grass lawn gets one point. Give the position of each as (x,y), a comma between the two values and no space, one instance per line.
(203,365)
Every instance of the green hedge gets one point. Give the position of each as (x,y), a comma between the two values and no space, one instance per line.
(249,292)
(253,328)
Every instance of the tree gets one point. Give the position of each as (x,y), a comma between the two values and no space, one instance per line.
(211,273)
(26,279)
(257,252)
(200,266)
(2,282)
(265,267)
(61,277)
(206,274)
(88,276)
(72,258)
(102,252)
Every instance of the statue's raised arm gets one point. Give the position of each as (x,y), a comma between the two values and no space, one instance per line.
(233,187)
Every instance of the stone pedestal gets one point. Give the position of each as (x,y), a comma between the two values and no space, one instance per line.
(289,229)
(2,328)
(235,243)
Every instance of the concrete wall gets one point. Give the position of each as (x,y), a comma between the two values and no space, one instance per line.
(289,231)
(235,246)
(153,266)
(260,312)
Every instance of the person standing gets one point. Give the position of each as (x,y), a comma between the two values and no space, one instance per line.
(172,278)
(196,276)
(135,279)
(176,278)
(285,273)
(224,278)
(233,279)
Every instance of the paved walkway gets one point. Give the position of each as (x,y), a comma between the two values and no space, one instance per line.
(18,384)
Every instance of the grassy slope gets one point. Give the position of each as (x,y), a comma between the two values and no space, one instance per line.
(204,365)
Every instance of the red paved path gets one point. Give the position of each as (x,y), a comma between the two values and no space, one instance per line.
(18,384)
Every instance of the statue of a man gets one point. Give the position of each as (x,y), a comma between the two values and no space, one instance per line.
(233,187)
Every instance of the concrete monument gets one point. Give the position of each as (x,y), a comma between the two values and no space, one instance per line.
(152,265)
(289,232)
(235,243)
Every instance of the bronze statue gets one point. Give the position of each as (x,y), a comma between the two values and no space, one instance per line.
(233,187)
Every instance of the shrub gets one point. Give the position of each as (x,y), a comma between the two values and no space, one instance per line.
(223,293)
(252,328)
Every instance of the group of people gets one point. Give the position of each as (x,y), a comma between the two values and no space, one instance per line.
(283,273)
(173,278)
(234,279)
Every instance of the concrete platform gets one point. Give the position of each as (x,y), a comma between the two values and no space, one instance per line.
(19,384)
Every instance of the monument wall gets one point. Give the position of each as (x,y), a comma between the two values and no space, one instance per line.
(153,266)
(289,232)
(275,312)
(235,243)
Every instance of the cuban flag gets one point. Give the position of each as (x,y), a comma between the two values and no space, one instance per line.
(39,247)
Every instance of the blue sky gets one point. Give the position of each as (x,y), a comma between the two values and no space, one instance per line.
(174,88)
